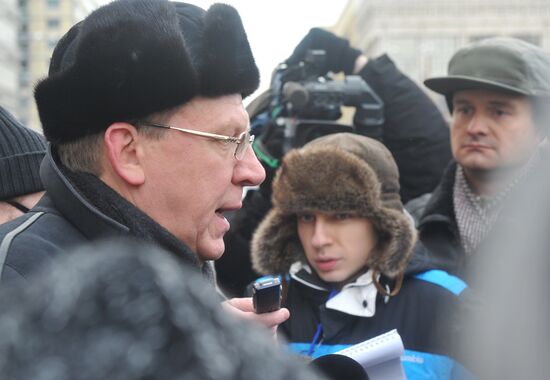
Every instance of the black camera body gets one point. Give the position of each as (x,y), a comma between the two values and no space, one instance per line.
(307,104)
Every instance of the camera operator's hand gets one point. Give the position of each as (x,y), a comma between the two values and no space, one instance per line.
(340,56)
(269,150)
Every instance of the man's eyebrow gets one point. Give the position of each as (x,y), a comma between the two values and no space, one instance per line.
(501,103)
(460,101)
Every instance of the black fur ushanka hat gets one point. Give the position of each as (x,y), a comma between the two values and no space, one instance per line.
(133,58)
(337,173)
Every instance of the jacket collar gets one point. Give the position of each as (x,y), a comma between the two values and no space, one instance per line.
(438,246)
(92,223)
(440,206)
(99,212)
(357,298)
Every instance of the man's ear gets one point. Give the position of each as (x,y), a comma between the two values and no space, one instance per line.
(122,145)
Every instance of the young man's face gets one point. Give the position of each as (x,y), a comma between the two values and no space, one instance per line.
(191,181)
(491,130)
(336,245)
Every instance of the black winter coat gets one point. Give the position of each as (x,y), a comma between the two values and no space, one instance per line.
(420,312)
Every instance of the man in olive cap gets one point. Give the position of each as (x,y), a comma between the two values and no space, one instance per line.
(148,136)
(497,91)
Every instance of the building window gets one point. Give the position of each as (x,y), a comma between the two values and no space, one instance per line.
(23,79)
(52,42)
(52,4)
(53,23)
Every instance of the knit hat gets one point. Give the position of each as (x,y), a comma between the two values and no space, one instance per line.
(21,152)
(132,58)
(336,173)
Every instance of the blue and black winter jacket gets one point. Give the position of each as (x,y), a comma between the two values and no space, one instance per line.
(422,312)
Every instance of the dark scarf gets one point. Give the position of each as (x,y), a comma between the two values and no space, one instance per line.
(141,226)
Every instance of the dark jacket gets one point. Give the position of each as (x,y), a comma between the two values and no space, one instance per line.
(439,246)
(76,209)
(419,312)
(414,131)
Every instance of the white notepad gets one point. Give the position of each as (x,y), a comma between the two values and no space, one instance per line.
(379,356)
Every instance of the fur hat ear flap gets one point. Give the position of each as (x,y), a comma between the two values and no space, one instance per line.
(396,239)
(275,244)
(229,65)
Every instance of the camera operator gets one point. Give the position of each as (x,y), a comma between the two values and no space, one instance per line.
(413,130)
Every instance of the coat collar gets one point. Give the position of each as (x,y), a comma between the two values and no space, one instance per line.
(99,212)
(92,223)
(357,298)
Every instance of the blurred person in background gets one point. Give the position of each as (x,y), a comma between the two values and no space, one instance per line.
(21,151)
(507,335)
(413,130)
(149,138)
(122,309)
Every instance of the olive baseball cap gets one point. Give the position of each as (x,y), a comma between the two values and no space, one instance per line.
(498,64)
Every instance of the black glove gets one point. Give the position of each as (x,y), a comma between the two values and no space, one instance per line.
(340,56)
(269,150)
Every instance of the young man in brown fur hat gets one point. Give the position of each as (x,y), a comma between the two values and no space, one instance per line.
(339,235)
(148,137)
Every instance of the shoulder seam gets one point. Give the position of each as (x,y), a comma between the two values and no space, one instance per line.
(6,242)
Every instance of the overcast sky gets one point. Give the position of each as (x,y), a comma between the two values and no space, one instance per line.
(274,27)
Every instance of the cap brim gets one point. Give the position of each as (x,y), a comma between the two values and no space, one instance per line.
(450,84)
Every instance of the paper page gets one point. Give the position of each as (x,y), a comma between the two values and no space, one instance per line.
(380,356)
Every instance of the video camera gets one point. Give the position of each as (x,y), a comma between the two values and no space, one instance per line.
(307,103)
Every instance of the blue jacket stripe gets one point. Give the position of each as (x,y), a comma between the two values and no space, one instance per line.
(417,365)
(421,365)
(439,277)
(323,349)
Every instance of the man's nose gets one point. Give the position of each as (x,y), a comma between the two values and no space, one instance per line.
(477,125)
(249,171)
(321,234)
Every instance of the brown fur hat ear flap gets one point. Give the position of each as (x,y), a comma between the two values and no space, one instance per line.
(275,244)
(396,239)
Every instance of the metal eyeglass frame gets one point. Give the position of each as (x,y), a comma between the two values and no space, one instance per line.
(243,141)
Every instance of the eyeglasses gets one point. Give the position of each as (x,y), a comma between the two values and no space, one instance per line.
(243,141)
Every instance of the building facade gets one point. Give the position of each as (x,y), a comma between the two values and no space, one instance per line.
(41,24)
(9,58)
(421,35)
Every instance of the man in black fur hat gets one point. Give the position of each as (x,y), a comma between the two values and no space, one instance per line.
(148,136)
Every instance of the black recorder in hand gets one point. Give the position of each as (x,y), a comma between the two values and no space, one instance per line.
(266,294)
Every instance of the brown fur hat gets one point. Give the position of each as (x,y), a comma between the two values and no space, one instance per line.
(341,172)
